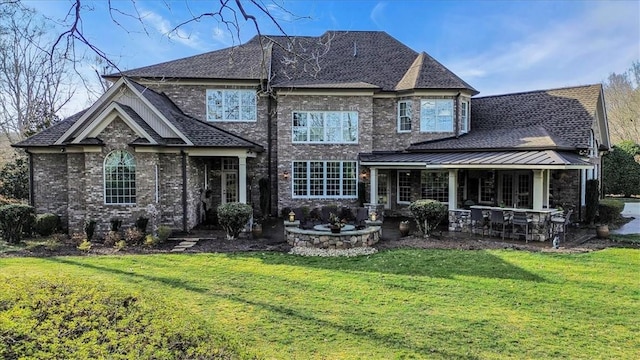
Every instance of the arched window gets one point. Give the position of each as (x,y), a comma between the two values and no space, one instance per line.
(119,178)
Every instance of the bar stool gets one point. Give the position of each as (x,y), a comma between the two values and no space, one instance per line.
(478,220)
(521,221)
(497,220)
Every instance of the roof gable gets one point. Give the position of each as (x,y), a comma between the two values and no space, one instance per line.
(108,115)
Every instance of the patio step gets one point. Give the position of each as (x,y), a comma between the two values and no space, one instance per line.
(184,244)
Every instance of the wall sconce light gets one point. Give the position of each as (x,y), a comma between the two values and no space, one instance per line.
(292,216)
(373,216)
(364,174)
(285,175)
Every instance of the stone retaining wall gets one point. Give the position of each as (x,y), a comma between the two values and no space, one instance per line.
(325,240)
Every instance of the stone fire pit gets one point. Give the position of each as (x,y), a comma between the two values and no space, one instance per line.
(322,239)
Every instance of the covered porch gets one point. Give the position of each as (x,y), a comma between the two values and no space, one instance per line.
(536,182)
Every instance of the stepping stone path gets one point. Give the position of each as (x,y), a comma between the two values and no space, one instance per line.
(184,245)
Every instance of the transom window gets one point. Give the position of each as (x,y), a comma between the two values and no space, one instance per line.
(325,127)
(435,185)
(324,179)
(436,115)
(119,178)
(404,116)
(231,105)
(464,117)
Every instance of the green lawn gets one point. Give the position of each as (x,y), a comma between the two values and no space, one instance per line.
(400,304)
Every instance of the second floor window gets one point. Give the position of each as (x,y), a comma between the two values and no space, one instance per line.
(404,116)
(464,117)
(231,105)
(436,115)
(325,127)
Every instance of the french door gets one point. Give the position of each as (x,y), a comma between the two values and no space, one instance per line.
(229,180)
(516,189)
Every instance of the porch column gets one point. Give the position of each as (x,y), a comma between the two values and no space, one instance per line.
(537,189)
(453,189)
(242,181)
(373,181)
(545,188)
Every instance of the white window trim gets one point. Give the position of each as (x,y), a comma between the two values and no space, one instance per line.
(104,181)
(324,186)
(436,130)
(255,105)
(465,123)
(398,187)
(399,122)
(324,127)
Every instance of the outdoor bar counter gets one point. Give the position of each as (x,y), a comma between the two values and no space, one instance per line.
(539,220)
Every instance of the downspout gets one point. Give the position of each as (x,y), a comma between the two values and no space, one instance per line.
(184,190)
(269,138)
(32,200)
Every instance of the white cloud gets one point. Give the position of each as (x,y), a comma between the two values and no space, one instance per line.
(377,14)
(166,28)
(604,38)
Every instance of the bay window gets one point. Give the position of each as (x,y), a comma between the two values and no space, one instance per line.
(404,116)
(436,115)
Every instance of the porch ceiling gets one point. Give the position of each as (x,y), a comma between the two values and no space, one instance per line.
(540,159)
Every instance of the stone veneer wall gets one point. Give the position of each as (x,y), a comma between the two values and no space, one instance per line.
(565,188)
(324,240)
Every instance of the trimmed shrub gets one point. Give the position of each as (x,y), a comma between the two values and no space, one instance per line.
(141,224)
(164,232)
(592,199)
(428,214)
(14,219)
(47,224)
(233,217)
(85,246)
(115,224)
(89,228)
(609,211)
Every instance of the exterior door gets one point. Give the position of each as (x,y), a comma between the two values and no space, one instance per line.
(229,180)
(383,189)
(516,189)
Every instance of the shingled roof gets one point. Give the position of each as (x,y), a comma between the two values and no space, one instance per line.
(198,132)
(336,59)
(567,114)
(245,61)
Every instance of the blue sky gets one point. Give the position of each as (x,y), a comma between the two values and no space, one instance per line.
(496,46)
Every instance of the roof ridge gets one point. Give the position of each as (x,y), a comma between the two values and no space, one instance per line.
(539,91)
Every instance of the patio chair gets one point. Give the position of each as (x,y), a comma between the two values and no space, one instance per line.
(361,216)
(521,222)
(478,220)
(498,221)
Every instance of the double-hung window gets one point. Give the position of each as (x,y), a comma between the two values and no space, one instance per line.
(404,116)
(336,127)
(464,117)
(231,105)
(436,115)
(325,179)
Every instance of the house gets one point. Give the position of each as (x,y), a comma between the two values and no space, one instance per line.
(283,122)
